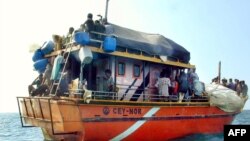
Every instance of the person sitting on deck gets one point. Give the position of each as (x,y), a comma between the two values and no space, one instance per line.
(41,89)
(100,29)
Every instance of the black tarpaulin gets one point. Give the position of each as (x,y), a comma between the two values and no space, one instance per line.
(153,44)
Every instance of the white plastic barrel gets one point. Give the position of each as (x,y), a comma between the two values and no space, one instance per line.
(85,55)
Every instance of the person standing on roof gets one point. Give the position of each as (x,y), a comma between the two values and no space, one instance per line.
(89,23)
(69,36)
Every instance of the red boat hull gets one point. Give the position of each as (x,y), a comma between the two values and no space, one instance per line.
(151,122)
(69,119)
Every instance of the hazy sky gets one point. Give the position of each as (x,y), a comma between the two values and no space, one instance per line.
(212,30)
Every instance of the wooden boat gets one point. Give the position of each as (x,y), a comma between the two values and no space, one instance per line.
(133,110)
(73,119)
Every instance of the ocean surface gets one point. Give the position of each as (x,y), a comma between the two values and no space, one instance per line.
(11,130)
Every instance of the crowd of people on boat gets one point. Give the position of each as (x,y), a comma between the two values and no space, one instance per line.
(96,30)
(240,87)
(180,85)
(43,83)
(91,25)
(47,82)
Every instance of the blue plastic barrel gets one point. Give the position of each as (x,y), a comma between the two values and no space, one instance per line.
(38,55)
(81,38)
(109,44)
(40,65)
(47,47)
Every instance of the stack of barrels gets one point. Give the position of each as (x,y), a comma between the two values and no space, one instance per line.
(40,62)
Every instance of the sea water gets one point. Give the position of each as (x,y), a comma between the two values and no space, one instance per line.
(11,129)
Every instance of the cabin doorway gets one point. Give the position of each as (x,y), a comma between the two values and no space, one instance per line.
(89,73)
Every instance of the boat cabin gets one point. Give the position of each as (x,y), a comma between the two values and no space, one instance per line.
(135,60)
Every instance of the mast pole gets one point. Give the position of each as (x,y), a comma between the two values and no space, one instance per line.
(106,10)
(219,71)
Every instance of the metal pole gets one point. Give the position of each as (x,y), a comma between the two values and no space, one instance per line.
(116,96)
(219,75)
(40,108)
(143,73)
(51,119)
(81,74)
(20,115)
(32,108)
(106,10)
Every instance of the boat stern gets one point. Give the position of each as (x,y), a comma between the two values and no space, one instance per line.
(59,119)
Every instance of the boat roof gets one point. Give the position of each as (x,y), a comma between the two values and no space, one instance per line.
(141,46)
(153,44)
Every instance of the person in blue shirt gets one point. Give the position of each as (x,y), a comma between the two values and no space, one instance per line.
(231,85)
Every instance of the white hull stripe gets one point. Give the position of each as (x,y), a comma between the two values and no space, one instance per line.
(136,125)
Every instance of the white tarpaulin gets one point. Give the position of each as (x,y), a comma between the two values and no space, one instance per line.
(224,98)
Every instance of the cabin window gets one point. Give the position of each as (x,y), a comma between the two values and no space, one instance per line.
(136,70)
(121,68)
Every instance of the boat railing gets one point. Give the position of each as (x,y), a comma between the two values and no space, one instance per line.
(117,96)
(27,111)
